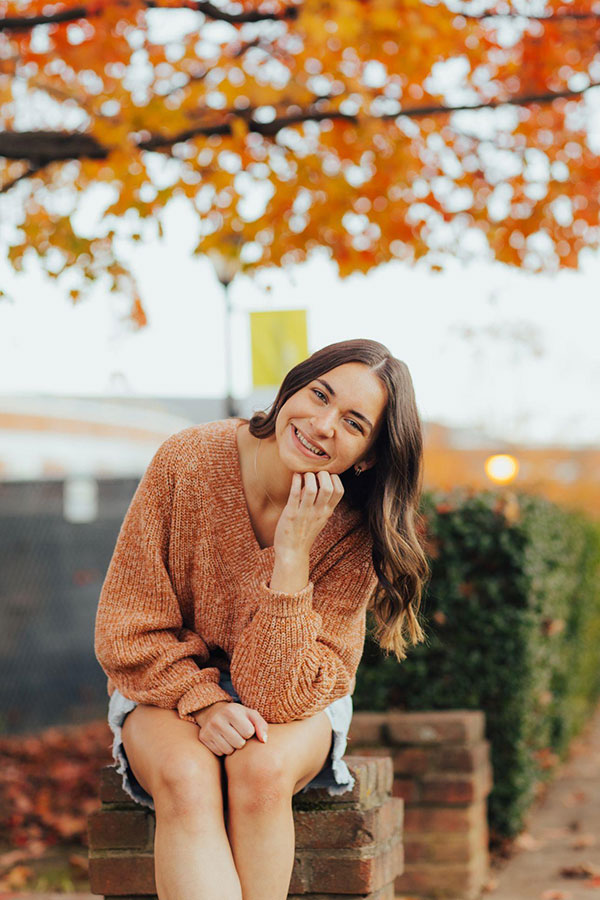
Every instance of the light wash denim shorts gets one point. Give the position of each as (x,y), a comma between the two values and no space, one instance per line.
(334,776)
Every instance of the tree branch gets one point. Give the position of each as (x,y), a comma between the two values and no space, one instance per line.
(25,23)
(552,17)
(26,174)
(40,148)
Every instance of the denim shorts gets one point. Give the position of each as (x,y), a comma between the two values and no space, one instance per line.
(334,776)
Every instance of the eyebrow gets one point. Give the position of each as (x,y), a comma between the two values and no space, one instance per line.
(353,411)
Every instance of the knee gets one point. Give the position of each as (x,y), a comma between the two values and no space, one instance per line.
(185,787)
(256,779)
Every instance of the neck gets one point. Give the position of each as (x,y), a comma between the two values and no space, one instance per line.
(273,479)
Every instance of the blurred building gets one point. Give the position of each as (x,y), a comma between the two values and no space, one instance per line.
(568,476)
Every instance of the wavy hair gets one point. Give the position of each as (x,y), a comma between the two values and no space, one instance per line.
(388,493)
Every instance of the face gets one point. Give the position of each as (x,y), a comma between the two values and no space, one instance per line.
(333,422)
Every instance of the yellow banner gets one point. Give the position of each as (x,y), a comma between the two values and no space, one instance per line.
(279,341)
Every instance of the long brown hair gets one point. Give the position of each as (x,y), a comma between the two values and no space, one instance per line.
(388,493)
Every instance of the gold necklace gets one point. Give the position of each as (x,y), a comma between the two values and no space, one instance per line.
(258,442)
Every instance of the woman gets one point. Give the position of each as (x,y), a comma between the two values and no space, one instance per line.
(236,600)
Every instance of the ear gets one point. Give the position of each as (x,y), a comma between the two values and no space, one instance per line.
(367,463)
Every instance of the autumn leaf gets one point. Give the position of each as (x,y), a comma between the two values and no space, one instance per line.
(346,119)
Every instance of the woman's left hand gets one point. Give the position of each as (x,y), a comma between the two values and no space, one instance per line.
(311,502)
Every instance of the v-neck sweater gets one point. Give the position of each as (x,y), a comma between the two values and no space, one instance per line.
(187,593)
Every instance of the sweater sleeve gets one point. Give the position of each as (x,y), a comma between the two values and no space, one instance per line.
(301,651)
(140,639)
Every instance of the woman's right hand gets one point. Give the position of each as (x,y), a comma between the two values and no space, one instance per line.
(225,727)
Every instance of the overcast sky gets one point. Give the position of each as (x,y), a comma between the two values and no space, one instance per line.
(487,346)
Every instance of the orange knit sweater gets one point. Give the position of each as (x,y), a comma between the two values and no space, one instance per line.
(186,594)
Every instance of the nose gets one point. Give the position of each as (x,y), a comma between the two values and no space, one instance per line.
(324,423)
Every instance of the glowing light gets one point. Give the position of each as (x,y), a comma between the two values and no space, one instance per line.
(501,468)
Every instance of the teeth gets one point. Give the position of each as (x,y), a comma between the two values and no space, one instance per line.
(308,446)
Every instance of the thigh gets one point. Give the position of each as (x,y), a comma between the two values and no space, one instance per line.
(157,742)
(294,753)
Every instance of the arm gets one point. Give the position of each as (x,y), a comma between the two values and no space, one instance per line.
(301,650)
(140,641)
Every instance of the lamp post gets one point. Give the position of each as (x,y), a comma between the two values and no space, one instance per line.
(227,264)
(501,468)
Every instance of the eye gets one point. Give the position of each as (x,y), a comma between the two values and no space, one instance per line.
(355,425)
(319,394)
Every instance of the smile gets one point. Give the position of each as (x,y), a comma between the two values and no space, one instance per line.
(308,447)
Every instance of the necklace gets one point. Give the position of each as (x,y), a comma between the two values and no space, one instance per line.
(256,473)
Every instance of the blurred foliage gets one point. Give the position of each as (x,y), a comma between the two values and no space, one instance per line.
(376,130)
(513,628)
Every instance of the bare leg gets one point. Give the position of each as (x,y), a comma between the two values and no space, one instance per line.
(192,854)
(261,781)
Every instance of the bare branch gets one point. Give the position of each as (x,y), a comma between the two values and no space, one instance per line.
(31,170)
(25,23)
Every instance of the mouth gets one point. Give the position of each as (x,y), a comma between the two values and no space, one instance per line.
(307,446)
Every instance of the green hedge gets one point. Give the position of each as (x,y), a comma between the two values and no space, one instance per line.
(512,615)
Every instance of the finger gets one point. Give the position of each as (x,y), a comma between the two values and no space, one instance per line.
(338,488)
(232,736)
(242,724)
(295,490)
(218,737)
(259,723)
(309,492)
(325,487)
(214,745)
(206,743)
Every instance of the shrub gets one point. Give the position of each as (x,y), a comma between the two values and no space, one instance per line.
(512,614)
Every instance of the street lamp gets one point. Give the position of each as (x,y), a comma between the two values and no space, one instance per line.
(501,468)
(227,264)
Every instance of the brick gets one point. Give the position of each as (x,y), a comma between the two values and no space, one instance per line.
(413,761)
(120,828)
(430,818)
(373,783)
(386,893)
(111,790)
(457,790)
(114,875)
(436,727)
(443,881)
(407,789)
(456,758)
(367,728)
(348,828)
(444,848)
(299,881)
(354,874)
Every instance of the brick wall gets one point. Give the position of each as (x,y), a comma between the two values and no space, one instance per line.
(348,845)
(442,771)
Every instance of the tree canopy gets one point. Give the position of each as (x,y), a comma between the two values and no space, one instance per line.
(378,129)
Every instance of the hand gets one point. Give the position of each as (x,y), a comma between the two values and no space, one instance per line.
(225,727)
(311,502)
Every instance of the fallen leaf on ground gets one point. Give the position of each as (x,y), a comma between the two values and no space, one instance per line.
(575,798)
(580,870)
(78,862)
(19,876)
(527,841)
(582,841)
(556,895)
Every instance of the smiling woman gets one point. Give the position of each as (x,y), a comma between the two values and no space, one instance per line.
(236,601)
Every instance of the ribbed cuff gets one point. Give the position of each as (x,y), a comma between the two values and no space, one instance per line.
(199,697)
(278,603)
